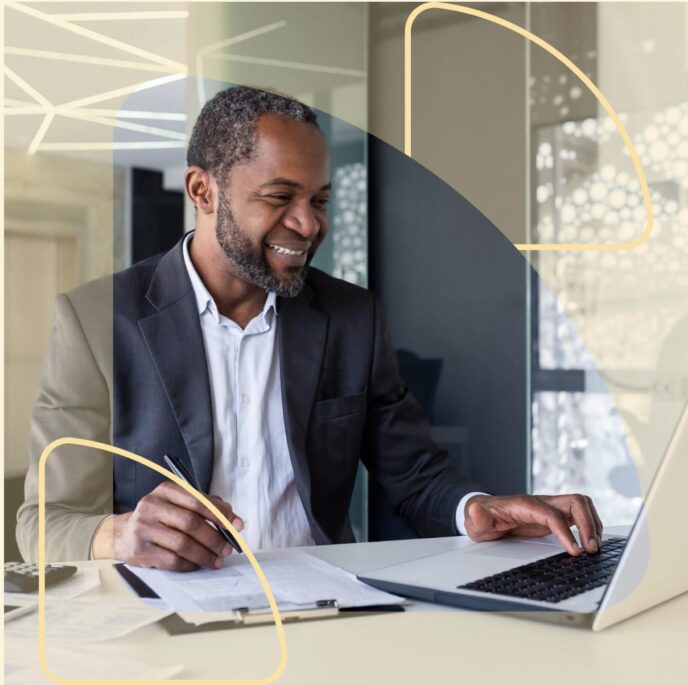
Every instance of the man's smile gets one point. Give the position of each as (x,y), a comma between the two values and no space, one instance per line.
(283,249)
(291,255)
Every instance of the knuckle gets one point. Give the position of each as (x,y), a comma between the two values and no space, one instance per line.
(196,523)
(211,540)
(138,530)
(181,543)
(187,520)
(195,505)
(167,560)
(165,487)
(557,517)
(145,505)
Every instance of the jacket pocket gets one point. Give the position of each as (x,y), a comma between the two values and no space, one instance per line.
(339,407)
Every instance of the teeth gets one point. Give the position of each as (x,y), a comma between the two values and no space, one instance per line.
(285,250)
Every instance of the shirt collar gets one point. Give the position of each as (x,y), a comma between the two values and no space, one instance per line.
(205,301)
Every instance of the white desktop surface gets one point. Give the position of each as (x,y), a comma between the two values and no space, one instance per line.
(428,644)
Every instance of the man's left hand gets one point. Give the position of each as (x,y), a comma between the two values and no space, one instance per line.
(490,518)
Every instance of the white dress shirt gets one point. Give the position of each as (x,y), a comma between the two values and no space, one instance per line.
(251,467)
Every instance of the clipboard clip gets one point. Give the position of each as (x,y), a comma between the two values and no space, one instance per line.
(323,608)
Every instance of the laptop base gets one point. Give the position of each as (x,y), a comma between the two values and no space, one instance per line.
(484,602)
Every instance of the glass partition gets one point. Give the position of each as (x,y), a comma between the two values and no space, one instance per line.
(608,325)
(520,137)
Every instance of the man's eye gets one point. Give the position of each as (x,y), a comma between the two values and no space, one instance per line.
(321,202)
(280,197)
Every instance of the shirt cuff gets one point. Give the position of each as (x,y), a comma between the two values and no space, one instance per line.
(102,521)
(461,514)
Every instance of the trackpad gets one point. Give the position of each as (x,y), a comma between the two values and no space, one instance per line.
(512,549)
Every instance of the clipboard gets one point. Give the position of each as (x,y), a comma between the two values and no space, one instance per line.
(174,624)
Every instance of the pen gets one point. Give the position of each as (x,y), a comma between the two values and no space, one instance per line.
(179,470)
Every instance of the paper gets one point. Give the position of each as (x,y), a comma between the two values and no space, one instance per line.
(81,620)
(298,580)
(21,665)
(81,582)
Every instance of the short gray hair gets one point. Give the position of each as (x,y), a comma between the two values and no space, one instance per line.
(225,131)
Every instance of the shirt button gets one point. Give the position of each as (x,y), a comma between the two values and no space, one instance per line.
(245,399)
(245,462)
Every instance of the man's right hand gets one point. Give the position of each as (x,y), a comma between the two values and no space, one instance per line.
(167,530)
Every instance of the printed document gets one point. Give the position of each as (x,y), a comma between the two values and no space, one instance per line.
(298,580)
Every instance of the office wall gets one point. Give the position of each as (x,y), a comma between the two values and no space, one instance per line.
(58,234)
(469,103)
(65,177)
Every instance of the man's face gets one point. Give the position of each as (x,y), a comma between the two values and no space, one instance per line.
(271,214)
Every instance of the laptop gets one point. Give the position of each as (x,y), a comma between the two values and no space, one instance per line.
(533,578)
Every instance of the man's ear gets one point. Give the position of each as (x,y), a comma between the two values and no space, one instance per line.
(199,189)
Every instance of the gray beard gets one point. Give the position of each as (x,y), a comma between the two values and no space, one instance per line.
(251,264)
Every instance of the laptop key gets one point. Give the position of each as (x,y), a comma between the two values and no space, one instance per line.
(554,578)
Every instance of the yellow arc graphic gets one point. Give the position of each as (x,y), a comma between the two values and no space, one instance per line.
(201,498)
(588,84)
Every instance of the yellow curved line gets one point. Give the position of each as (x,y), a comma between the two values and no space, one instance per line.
(201,498)
(572,67)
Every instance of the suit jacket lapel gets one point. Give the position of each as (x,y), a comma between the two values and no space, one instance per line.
(302,332)
(175,342)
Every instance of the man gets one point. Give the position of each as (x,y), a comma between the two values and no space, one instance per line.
(268,379)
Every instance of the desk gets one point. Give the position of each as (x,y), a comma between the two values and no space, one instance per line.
(428,644)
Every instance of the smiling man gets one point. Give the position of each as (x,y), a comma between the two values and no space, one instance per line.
(268,378)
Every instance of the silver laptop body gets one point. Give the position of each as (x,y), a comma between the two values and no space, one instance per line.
(652,569)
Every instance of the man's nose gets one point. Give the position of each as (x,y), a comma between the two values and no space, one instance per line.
(303,221)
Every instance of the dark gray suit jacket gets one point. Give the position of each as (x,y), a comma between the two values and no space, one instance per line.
(343,401)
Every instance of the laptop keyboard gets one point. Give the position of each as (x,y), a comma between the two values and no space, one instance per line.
(555,578)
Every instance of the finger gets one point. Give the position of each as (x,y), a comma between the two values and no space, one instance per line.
(159,557)
(227,511)
(530,530)
(582,518)
(182,545)
(177,495)
(553,519)
(189,523)
(479,523)
(599,528)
